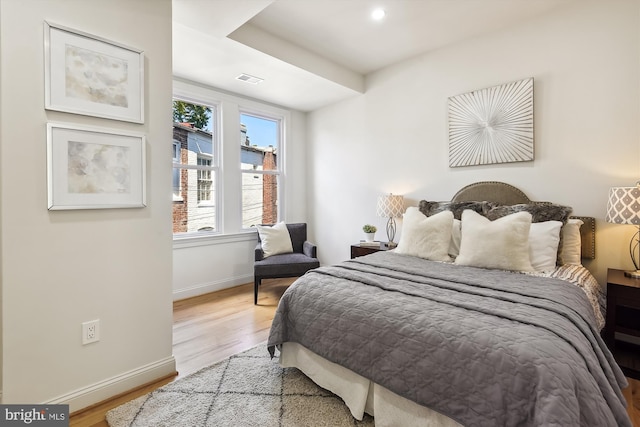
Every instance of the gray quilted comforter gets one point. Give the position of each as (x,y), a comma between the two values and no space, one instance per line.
(483,347)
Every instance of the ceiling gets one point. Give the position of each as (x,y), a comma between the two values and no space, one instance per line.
(312,53)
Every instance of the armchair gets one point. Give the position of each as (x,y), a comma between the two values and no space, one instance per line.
(295,264)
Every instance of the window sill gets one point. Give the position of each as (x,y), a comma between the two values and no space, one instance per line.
(192,240)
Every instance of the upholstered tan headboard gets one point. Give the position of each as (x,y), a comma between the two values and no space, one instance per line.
(506,194)
(491,191)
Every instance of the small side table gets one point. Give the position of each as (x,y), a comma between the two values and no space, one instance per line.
(357,250)
(623,307)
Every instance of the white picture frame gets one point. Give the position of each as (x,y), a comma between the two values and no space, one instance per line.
(92,76)
(95,168)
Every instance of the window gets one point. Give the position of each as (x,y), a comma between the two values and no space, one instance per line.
(195,167)
(204,180)
(261,168)
(227,175)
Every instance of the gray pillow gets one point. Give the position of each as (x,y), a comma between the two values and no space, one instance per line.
(432,208)
(540,212)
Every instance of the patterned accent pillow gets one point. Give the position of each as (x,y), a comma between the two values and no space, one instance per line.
(540,212)
(432,208)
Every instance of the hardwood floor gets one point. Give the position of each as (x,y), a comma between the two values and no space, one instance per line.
(206,329)
(632,394)
(212,327)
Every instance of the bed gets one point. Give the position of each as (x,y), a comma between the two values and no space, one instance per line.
(474,319)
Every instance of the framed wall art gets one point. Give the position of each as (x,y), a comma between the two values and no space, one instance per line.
(88,75)
(94,168)
(493,125)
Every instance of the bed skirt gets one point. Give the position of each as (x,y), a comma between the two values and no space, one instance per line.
(360,394)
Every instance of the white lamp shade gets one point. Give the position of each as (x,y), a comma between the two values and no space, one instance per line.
(623,206)
(390,206)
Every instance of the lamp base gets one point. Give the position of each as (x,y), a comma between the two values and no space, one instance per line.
(389,245)
(633,274)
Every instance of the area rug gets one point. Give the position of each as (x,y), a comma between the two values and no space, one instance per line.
(248,389)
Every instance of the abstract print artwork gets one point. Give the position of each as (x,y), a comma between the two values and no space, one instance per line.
(493,125)
(98,168)
(89,75)
(95,77)
(94,168)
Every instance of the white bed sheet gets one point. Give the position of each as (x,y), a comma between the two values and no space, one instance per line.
(360,394)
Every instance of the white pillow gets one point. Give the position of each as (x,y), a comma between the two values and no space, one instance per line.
(544,238)
(571,250)
(456,237)
(501,244)
(426,237)
(275,239)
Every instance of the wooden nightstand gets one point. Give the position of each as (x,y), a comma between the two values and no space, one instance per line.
(357,250)
(623,315)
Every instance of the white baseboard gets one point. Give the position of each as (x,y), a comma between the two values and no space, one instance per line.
(114,386)
(205,288)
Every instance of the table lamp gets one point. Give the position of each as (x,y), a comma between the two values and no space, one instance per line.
(390,206)
(623,207)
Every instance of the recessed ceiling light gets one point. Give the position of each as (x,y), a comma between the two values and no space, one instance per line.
(249,79)
(378,14)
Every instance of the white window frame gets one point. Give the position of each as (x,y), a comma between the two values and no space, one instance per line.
(214,168)
(279,171)
(228,180)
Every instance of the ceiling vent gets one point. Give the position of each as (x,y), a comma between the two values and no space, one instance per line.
(249,79)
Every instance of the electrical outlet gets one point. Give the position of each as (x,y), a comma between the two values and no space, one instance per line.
(90,331)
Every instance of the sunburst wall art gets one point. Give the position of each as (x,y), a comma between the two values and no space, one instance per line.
(493,125)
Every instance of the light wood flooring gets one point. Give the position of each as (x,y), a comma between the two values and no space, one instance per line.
(212,327)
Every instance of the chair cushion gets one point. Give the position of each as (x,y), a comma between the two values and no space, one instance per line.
(293,264)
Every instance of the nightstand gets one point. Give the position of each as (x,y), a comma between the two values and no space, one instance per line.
(357,250)
(623,315)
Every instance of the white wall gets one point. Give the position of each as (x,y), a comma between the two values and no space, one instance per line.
(585,60)
(207,264)
(61,268)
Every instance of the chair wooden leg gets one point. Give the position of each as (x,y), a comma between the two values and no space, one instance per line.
(256,283)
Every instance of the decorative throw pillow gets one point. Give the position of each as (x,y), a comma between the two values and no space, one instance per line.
(432,208)
(544,238)
(540,212)
(275,239)
(502,244)
(426,237)
(570,251)
(456,237)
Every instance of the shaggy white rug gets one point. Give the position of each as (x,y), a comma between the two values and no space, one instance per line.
(248,389)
